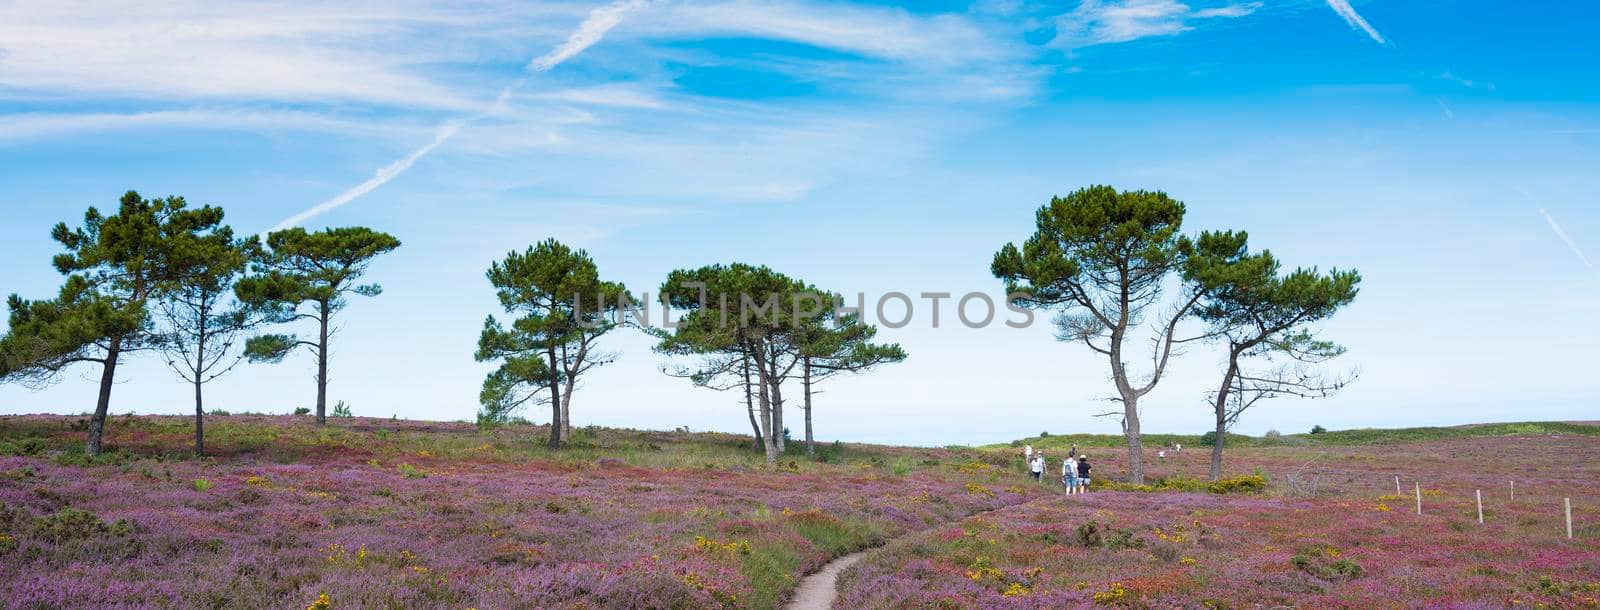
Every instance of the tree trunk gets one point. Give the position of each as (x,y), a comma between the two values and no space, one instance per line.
(767,443)
(322,365)
(750,402)
(199,422)
(566,414)
(1135,446)
(811,443)
(777,413)
(555,400)
(1222,415)
(108,375)
(199,380)
(567,404)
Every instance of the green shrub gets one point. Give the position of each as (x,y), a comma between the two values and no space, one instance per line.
(76,524)
(1317,565)
(1318,429)
(24,446)
(342,410)
(1209,439)
(1253,483)
(412,472)
(1181,483)
(302,410)
(202,485)
(218,413)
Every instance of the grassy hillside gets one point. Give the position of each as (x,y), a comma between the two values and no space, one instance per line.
(1361,436)
(386,513)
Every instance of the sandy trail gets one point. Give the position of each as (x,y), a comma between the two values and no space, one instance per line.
(818,590)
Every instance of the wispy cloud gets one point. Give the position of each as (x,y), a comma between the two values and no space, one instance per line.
(593,28)
(871,31)
(1562,233)
(1466,82)
(1095,22)
(1343,8)
(282,51)
(35,125)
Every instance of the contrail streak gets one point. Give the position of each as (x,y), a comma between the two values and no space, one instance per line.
(1561,233)
(1343,8)
(593,28)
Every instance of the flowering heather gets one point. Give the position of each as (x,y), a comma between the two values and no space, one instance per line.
(1330,532)
(377,513)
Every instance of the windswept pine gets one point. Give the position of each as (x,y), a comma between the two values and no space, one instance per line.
(300,270)
(117,268)
(562,308)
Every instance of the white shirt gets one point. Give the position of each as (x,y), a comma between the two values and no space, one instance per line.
(1038,464)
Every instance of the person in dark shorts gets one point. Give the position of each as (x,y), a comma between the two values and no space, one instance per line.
(1083,473)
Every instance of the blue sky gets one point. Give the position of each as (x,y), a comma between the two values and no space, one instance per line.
(1445,149)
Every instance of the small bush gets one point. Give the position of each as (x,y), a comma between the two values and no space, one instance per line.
(342,410)
(1317,565)
(1318,429)
(1209,439)
(25,446)
(1253,483)
(218,413)
(203,485)
(1181,483)
(76,524)
(1089,534)
(302,411)
(412,472)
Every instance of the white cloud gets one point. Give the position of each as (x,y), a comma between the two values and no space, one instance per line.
(1343,8)
(35,125)
(593,28)
(362,52)
(875,32)
(1095,22)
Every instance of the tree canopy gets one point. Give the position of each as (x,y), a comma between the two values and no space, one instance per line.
(1100,257)
(561,308)
(316,270)
(115,265)
(1264,318)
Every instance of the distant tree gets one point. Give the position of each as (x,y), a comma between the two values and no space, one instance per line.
(1100,257)
(828,346)
(1318,429)
(200,327)
(562,309)
(115,265)
(309,270)
(1264,318)
(745,311)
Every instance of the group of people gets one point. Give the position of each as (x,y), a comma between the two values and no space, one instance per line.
(1074,469)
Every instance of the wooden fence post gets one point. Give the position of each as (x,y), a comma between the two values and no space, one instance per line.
(1569,518)
(1480,506)
(1419,498)
(1397,485)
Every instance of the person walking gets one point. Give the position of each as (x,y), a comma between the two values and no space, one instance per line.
(1036,466)
(1083,474)
(1069,474)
